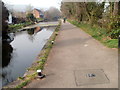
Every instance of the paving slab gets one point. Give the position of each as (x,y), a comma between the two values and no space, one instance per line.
(90,77)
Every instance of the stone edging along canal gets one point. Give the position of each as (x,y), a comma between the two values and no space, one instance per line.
(31,73)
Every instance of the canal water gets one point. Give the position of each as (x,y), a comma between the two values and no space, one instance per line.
(19,54)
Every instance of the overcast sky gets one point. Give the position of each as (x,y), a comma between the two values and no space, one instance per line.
(35,3)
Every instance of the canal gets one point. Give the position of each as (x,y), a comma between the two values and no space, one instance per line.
(20,53)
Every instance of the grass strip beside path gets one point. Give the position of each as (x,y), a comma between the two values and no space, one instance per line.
(98,33)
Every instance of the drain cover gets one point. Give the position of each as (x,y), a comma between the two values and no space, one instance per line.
(90,76)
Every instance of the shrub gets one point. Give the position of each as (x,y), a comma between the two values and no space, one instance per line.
(114,34)
(31,17)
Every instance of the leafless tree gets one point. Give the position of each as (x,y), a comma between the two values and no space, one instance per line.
(51,13)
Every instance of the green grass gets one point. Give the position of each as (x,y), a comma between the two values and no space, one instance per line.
(23,84)
(113,43)
(40,19)
(98,33)
(18,26)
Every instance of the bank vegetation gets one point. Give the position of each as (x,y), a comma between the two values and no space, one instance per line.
(99,19)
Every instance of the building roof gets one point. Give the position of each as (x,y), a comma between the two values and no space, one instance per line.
(41,13)
(38,10)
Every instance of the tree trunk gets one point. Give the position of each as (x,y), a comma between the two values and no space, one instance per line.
(115,11)
(119,8)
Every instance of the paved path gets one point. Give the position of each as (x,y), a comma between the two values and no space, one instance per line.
(76,50)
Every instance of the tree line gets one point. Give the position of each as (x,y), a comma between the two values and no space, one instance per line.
(25,17)
(103,14)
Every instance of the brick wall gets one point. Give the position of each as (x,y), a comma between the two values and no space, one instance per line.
(36,13)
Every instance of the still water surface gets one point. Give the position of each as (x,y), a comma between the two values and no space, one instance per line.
(22,51)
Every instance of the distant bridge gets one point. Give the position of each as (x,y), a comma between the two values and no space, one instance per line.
(41,24)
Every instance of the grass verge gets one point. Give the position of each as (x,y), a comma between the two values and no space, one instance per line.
(18,26)
(39,64)
(98,33)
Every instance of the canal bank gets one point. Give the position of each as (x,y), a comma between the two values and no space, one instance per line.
(38,64)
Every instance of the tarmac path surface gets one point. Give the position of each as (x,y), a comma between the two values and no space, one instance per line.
(74,50)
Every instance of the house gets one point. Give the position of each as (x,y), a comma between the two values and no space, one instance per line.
(38,13)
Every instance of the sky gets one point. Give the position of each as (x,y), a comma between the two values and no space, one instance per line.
(35,3)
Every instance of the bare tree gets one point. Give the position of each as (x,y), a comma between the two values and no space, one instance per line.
(52,13)
(29,9)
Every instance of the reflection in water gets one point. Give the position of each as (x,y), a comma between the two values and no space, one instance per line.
(7,54)
(19,54)
(34,30)
(6,58)
(37,29)
(7,50)
(31,31)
